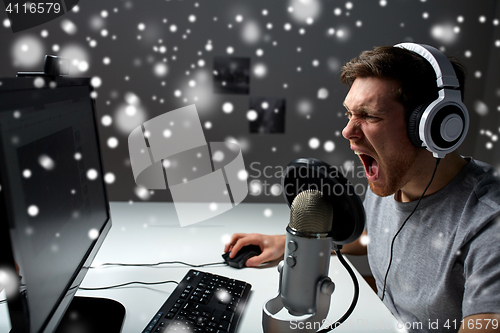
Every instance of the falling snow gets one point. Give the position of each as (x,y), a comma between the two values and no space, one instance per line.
(149,64)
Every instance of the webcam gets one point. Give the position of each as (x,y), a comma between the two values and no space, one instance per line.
(53,66)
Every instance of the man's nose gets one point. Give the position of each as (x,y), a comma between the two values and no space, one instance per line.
(352,130)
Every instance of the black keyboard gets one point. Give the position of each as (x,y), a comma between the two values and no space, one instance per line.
(202,302)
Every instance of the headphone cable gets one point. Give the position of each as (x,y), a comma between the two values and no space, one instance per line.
(400,228)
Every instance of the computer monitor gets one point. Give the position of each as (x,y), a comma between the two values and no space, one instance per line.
(54,211)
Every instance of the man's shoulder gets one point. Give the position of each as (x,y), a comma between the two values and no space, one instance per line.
(478,201)
(483,180)
(483,169)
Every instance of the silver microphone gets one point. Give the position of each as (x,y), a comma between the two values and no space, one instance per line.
(307,251)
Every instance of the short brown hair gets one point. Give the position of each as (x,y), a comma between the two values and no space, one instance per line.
(415,75)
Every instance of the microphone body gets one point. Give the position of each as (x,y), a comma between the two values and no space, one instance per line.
(307,252)
(307,261)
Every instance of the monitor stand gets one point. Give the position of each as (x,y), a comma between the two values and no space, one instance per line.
(92,315)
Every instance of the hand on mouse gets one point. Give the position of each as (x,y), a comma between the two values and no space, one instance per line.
(272,247)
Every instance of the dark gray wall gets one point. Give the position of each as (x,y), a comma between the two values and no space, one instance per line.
(466,29)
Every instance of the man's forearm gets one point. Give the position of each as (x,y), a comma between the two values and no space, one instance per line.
(358,247)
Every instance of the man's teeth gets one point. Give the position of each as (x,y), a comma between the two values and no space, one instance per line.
(358,153)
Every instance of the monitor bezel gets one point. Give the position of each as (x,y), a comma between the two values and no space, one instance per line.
(16,303)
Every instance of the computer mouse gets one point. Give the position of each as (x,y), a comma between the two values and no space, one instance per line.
(245,253)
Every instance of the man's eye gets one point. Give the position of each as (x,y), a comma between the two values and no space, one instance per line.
(348,114)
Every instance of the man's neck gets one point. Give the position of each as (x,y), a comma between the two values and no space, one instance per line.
(447,169)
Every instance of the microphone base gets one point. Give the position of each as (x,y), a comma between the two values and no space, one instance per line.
(272,324)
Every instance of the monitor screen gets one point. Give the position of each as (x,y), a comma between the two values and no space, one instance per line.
(54,208)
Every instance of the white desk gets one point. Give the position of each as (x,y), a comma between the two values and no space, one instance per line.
(150,232)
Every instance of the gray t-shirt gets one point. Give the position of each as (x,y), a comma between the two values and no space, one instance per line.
(446,263)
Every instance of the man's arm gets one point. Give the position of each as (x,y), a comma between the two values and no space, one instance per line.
(358,247)
(484,323)
(272,247)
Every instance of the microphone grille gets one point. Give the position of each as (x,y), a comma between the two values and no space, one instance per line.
(310,212)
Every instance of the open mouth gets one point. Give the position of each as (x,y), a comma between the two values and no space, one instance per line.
(370,164)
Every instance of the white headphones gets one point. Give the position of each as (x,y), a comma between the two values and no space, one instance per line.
(442,125)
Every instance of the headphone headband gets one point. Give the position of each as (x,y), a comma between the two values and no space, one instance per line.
(445,74)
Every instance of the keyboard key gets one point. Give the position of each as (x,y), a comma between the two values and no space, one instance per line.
(187,306)
(224,325)
(217,315)
(228,316)
(200,307)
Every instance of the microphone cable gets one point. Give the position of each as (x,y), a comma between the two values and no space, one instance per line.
(129,283)
(354,298)
(144,265)
(400,228)
(158,264)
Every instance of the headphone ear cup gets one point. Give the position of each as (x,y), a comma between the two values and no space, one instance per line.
(413,125)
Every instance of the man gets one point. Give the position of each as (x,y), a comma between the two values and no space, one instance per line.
(446,264)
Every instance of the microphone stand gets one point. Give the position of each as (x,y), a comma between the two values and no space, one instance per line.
(324,289)
(271,323)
